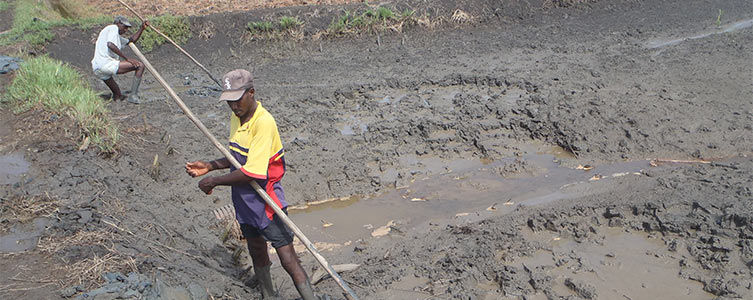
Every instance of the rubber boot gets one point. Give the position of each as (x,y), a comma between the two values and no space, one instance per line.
(134,97)
(306,291)
(264,277)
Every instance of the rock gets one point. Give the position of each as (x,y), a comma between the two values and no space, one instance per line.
(582,289)
(70,291)
(9,64)
(84,216)
(197,292)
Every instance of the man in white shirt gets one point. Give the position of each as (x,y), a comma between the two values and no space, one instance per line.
(106,62)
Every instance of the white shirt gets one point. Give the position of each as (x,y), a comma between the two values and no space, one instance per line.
(102,53)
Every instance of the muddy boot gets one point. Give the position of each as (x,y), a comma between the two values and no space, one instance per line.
(264,277)
(134,97)
(306,291)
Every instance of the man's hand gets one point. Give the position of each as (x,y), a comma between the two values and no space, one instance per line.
(207,184)
(145,24)
(198,168)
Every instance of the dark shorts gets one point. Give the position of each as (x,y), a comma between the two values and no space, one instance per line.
(276,232)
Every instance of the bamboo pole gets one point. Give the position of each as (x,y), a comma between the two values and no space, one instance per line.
(349,294)
(174,44)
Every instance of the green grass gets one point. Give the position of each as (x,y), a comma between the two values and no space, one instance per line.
(260,27)
(53,86)
(286,25)
(33,23)
(177,28)
(4,5)
(373,19)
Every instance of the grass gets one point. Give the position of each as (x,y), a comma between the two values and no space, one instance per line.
(177,28)
(33,21)
(4,5)
(286,25)
(53,86)
(373,19)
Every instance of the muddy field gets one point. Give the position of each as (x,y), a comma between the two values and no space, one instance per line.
(451,154)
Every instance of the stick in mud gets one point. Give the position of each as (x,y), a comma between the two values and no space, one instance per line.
(349,294)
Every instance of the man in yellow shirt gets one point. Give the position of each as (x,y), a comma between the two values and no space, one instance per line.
(255,143)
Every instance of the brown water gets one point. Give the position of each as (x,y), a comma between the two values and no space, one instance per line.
(462,191)
(624,266)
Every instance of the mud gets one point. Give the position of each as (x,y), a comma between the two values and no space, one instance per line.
(484,124)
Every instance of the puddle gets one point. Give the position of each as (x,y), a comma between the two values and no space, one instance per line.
(22,238)
(659,43)
(12,168)
(623,266)
(458,191)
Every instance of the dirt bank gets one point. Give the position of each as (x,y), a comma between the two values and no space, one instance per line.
(371,115)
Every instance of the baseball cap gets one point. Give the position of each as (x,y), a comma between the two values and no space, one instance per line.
(235,83)
(122,20)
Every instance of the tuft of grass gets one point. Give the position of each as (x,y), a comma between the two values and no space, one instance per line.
(290,23)
(377,19)
(53,86)
(286,25)
(260,27)
(177,28)
(4,5)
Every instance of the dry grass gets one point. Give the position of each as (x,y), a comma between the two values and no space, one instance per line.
(459,16)
(87,270)
(22,209)
(198,7)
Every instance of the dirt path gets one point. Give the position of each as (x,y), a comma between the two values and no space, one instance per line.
(616,83)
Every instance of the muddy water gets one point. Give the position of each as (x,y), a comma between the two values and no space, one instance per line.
(624,266)
(12,168)
(22,237)
(462,191)
(659,43)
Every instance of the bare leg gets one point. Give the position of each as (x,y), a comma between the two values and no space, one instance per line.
(292,265)
(116,95)
(260,257)
(290,262)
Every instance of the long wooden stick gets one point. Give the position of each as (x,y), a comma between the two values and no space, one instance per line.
(174,44)
(310,246)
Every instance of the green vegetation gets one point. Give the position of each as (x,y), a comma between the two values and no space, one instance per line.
(379,19)
(55,87)
(177,28)
(3,5)
(33,21)
(261,27)
(719,19)
(266,29)
(290,23)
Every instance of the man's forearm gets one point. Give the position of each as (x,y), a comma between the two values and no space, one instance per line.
(219,164)
(116,50)
(134,38)
(232,178)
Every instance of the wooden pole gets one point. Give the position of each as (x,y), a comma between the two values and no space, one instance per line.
(349,294)
(174,44)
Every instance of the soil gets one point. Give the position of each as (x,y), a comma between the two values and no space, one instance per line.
(450,154)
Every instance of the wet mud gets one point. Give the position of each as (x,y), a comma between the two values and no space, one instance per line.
(451,154)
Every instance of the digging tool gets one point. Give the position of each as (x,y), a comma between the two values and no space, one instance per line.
(174,44)
(349,294)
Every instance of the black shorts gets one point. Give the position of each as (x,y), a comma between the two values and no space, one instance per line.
(276,232)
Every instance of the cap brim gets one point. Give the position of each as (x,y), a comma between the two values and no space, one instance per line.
(231,95)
